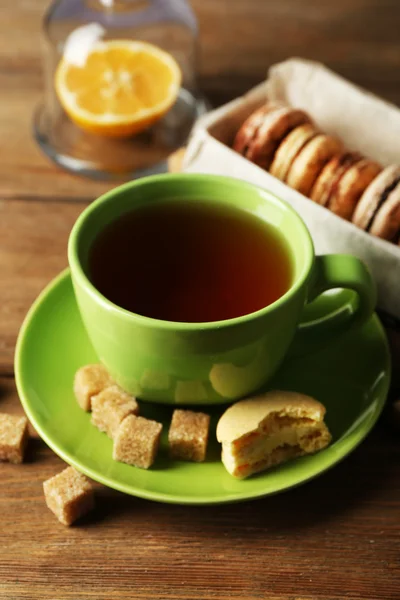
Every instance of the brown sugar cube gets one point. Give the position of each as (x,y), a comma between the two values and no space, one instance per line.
(69,495)
(110,407)
(89,381)
(188,435)
(136,441)
(13,438)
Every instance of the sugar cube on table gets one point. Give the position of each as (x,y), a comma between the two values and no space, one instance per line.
(13,438)
(69,495)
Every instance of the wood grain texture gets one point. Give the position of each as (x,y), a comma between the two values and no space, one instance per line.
(356,38)
(33,249)
(334,538)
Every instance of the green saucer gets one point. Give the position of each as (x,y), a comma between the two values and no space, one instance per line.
(350,377)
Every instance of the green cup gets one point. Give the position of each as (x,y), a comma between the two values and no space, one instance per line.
(209,363)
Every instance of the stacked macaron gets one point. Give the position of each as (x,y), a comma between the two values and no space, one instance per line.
(378,211)
(286,142)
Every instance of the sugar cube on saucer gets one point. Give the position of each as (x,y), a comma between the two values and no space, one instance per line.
(89,381)
(110,407)
(69,495)
(137,441)
(188,435)
(13,438)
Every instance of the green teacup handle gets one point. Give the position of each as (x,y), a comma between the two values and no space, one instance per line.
(334,271)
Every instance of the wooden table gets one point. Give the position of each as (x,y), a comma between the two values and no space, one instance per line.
(335,538)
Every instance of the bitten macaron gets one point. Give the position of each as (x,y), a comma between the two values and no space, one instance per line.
(263,431)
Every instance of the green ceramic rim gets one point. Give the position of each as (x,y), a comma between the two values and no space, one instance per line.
(80,275)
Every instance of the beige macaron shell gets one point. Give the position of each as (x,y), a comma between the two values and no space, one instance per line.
(322,186)
(275,127)
(351,186)
(310,162)
(386,223)
(330,175)
(289,149)
(369,201)
(249,128)
(245,416)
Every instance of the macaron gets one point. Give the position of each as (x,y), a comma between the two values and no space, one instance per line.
(289,148)
(351,185)
(263,431)
(386,222)
(310,161)
(276,125)
(330,175)
(250,126)
(375,195)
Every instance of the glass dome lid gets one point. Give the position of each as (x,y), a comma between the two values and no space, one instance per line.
(120,85)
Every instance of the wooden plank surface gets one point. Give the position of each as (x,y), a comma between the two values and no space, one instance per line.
(33,249)
(336,537)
